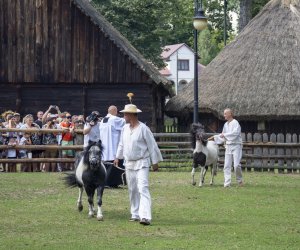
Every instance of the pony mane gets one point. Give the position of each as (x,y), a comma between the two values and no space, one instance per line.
(87,149)
(198,134)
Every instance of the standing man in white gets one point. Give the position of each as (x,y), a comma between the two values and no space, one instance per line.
(139,149)
(110,130)
(231,136)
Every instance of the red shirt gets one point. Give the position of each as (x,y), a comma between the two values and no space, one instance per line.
(67,136)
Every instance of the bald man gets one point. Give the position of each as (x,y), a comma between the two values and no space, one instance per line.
(110,130)
(231,137)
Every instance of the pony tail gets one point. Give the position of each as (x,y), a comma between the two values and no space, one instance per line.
(70,180)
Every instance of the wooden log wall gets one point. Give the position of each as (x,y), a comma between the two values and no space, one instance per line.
(54,41)
(79,99)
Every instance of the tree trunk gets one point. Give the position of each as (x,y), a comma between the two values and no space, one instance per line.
(245,13)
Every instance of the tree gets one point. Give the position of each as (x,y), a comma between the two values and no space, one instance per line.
(152,24)
(248,10)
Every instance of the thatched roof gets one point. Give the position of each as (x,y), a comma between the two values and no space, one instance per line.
(258,74)
(122,43)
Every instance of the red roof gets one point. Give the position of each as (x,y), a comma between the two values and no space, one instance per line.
(165,72)
(170,49)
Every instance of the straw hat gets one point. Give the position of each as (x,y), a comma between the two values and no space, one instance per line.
(131,108)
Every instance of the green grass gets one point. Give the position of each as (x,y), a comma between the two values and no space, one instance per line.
(38,212)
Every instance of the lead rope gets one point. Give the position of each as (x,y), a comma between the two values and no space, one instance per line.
(112,165)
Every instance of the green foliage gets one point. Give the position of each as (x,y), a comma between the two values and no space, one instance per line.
(257,5)
(39,212)
(209,45)
(151,24)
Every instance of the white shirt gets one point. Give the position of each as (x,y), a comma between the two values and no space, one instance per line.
(22,142)
(93,135)
(138,147)
(231,132)
(110,130)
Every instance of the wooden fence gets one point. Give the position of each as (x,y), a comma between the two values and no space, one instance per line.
(261,152)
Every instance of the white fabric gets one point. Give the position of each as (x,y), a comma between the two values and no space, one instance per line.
(233,151)
(110,135)
(218,139)
(93,135)
(232,132)
(11,152)
(22,142)
(139,195)
(138,147)
(58,136)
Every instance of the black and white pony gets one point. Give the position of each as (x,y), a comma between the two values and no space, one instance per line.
(90,175)
(205,154)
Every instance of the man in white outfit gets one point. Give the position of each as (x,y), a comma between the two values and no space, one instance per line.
(110,130)
(231,136)
(139,149)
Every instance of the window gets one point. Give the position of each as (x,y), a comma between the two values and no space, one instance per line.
(183,82)
(183,65)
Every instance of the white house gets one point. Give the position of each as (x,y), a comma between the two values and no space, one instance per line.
(180,65)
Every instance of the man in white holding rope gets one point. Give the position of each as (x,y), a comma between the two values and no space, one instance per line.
(231,137)
(139,149)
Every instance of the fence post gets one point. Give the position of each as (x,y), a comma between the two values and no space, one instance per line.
(265,152)
(288,152)
(272,151)
(294,153)
(257,151)
(280,151)
(249,151)
(244,151)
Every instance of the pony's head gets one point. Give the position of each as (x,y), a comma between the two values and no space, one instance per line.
(198,134)
(93,154)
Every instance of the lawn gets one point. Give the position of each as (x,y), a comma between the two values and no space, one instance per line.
(38,212)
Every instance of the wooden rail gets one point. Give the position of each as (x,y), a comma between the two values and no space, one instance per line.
(260,152)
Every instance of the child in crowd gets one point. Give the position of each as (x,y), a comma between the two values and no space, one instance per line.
(25,140)
(12,153)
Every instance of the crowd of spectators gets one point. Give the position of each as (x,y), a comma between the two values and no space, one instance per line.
(52,118)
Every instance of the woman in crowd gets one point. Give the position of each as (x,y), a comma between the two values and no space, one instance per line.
(50,139)
(36,139)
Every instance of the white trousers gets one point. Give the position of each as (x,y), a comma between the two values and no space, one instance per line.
(139,195)
(232,152)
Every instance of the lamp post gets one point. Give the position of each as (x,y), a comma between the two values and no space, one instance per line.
(225,22)
(200,23)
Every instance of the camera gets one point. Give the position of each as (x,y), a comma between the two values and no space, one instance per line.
(93,117)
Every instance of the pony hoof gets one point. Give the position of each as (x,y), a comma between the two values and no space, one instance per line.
(91,216)
(211,184)
(193,183)
(80,207)
(100,218)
